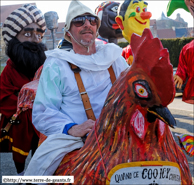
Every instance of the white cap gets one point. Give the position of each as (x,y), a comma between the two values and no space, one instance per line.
(75,9)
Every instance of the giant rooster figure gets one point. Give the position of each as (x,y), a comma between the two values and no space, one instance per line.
(131,142)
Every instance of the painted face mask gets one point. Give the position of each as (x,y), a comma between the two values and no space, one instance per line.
(135,18)
(107,13)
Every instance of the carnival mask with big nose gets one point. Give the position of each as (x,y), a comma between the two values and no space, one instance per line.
(135,19)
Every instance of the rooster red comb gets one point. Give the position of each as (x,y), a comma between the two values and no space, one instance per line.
(153,59)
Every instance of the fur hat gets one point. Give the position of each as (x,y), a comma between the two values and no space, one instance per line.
(75,9)
(19,19)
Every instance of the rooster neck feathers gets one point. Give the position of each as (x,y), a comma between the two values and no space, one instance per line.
(153,59)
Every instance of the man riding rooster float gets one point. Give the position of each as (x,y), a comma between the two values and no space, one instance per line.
(132,129)
(131,133)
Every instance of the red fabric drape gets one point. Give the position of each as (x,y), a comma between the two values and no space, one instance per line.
(19,138)
(10,84)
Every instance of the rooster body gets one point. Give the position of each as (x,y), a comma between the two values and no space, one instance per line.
(134,122)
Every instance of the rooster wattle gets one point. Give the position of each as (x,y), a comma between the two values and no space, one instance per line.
(132,132)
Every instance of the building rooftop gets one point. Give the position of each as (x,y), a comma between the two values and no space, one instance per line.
(163,17)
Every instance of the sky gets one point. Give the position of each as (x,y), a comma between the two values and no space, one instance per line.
(156,7)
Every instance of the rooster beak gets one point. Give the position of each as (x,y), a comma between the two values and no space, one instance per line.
(163,114)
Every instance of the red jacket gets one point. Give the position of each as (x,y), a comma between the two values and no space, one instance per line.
(186,70)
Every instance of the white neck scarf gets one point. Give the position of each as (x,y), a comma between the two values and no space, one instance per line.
(105,55)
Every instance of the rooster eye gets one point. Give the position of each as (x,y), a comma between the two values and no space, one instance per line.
(142,89)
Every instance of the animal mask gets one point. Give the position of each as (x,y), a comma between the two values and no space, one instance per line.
(107,11)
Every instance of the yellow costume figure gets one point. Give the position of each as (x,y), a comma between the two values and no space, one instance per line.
(133,17)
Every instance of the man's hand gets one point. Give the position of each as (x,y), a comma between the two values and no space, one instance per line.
(178,81)
(82,129)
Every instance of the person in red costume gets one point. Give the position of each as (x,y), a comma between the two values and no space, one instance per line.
(185,68)
(22,32)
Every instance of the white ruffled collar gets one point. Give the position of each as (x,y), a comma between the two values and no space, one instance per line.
(105,55)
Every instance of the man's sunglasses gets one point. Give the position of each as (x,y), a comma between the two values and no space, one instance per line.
(80,20)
